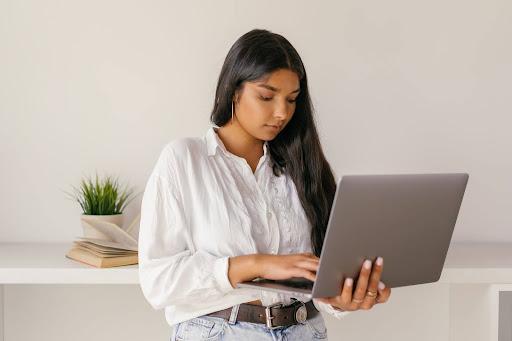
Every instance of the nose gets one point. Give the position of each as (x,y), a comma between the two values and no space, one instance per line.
(281,111)
(280,115)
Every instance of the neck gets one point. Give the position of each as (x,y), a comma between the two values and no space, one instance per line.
(240,143)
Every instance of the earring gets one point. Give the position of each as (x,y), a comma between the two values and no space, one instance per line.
(231,111)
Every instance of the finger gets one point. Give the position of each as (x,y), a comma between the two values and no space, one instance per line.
(343,300)
(373,285)
(310,255)
(362,283)
(383,295)
(346,292)
(311,260)
(304,257)
(372,290)
(383,291)
(301,272)
(307,264)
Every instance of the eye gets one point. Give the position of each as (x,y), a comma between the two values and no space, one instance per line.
(263,98)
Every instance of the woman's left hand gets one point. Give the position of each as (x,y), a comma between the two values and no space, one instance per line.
(367,293)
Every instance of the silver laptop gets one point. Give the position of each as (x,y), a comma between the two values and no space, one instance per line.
(408,219)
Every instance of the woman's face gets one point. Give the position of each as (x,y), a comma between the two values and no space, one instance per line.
(266,106)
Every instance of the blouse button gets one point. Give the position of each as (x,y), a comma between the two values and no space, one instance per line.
(269,214)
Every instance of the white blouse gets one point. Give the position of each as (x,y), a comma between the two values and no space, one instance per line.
(203,204)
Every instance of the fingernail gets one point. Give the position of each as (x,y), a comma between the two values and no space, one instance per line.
(348,281)
(379,261)
(381,285)
(367,264)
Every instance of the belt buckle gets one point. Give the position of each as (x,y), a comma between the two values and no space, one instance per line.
(269,316)
(301,314)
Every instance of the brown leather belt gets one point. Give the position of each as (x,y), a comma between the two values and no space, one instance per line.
(274,316)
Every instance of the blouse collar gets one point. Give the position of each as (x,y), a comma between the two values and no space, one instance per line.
(213,142)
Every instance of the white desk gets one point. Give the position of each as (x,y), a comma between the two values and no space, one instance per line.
(36,263)
(23,263)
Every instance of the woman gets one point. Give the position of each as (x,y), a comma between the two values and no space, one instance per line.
(250,199)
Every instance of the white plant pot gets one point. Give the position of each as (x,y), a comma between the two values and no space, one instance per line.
(90,232)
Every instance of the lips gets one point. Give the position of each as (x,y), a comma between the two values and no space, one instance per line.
(274,126)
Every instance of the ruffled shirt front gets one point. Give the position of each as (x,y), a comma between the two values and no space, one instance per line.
(202,205)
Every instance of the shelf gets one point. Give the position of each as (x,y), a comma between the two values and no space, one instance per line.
(45,263)
(478,263)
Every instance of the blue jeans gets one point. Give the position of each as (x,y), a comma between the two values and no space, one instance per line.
(216,328)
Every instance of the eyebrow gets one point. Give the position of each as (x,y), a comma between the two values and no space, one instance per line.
(266,86)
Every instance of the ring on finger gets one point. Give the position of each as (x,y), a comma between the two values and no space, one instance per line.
(372,294)
(357,300)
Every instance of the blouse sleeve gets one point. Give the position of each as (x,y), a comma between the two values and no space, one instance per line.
(170,272)
(328,308)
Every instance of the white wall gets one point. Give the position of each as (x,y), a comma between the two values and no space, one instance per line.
(399,86)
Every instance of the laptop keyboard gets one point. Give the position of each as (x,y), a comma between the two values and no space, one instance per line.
(296,282)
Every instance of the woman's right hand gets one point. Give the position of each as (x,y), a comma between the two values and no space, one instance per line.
(278,267)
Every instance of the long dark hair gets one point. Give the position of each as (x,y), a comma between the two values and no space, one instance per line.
(296,150)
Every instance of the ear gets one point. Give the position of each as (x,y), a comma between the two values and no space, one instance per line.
(238,93)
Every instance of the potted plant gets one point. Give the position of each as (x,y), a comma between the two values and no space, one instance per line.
(101,200)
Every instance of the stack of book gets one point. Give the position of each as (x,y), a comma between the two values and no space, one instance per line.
(117,248)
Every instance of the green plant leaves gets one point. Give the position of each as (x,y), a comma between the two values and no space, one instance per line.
(102,196)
